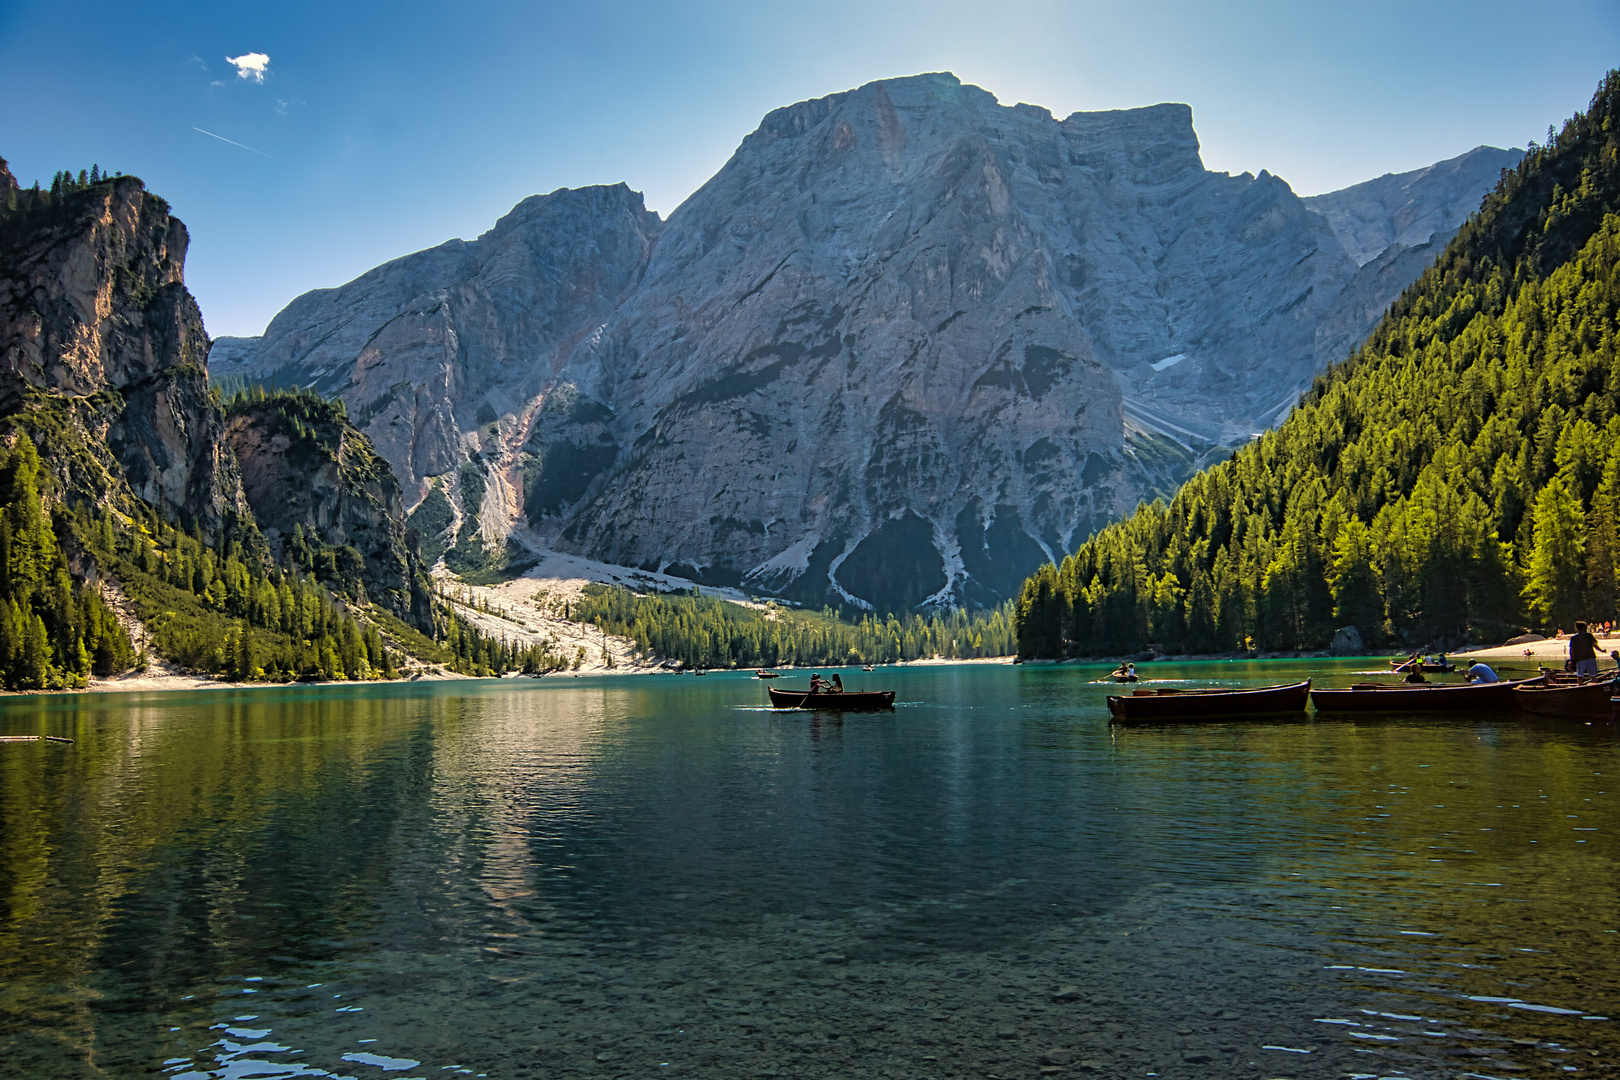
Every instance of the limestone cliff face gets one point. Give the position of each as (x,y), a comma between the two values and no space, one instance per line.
(906,344)
(429,349)
(1411,208)
(95,317)
(308,472)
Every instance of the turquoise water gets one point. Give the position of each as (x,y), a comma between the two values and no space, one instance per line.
(653,875)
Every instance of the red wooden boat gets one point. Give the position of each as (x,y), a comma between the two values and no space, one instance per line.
(1421,697)
(1559,698)
(848,701)
(1207,704)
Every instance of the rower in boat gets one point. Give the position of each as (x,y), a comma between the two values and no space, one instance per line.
(1124,673)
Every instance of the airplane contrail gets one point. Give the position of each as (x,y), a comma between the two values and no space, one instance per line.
(233,142)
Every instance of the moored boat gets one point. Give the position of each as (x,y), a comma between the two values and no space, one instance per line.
(1420,697)
(1559,698)
(848,701)
(1207,704)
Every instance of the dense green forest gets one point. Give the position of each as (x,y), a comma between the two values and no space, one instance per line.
(702,631)
(1456,478)
(54,632)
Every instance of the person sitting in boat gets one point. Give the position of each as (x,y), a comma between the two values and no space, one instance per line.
(1124,671)
(815,683)
(1415,675)
(1583,651)
(837,686)
(1481,673)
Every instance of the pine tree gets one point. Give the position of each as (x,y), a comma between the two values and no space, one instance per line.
(1557,562)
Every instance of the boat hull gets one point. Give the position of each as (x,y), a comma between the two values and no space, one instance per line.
(1150,706)
(848,701)
(1383,697)
(1585,700)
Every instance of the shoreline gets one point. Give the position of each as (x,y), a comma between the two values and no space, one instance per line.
(171,681)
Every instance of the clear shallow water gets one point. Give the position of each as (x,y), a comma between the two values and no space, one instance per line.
(652,875)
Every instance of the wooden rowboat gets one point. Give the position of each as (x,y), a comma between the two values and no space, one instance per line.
(1592,699)
(763,674)
(848,701)
(1421,697)
(1212,704)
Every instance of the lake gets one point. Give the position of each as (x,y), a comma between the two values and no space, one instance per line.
(654,876)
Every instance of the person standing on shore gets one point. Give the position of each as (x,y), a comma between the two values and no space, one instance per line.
(1583,651)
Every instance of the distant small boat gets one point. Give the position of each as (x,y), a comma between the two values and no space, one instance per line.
(848,701)
(1116,677)
(763,674)
(867,667)
(1591,699)
(1421,697)
(1211,704)
(701,671)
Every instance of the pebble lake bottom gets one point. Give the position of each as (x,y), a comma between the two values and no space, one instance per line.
(655,876)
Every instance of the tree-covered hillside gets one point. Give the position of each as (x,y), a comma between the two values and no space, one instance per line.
(702,631)
(1456,477)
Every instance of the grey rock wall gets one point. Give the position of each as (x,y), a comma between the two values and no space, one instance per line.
(95,318)
(1411,207)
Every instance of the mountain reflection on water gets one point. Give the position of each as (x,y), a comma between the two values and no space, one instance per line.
(621,877)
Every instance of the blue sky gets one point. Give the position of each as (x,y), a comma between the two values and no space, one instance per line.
(379,129)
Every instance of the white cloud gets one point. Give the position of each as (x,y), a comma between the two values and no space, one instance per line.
(251,65)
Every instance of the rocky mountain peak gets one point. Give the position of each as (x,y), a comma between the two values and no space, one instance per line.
(1412,208)
(905,344)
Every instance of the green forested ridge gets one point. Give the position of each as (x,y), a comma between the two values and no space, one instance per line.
(702,631)
(1455,478)
(21,208)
